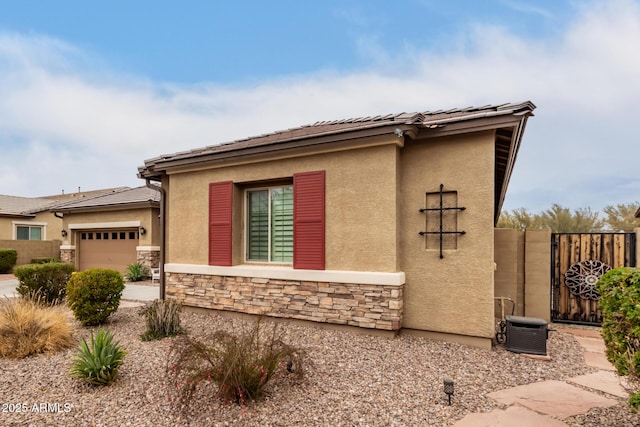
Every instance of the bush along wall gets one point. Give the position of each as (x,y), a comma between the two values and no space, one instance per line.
(94,294)
(620,304)
(8,258)
(48,281)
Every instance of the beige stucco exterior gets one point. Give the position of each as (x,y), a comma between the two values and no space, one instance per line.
(51,226)
(441,293)
(380,269)
(148,245)
(373,196)
(360,197)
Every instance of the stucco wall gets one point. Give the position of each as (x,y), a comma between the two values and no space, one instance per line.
(30,249)
(453,295)
(537,271)
(360,207)
(509,274)
(145,217)
(52,226)
(373,197)
(523,271)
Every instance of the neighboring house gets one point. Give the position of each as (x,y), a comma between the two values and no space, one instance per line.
(383,222)
(111,230)
(24,218)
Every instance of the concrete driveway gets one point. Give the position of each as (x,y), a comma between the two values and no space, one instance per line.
(131,291)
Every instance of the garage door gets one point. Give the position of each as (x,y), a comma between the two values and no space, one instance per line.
(114,249)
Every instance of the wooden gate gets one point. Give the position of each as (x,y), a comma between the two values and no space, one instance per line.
(578,261)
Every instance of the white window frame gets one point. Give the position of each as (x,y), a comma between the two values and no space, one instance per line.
(245,236)
(41,225)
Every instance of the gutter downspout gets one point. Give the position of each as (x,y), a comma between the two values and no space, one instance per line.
(162,233)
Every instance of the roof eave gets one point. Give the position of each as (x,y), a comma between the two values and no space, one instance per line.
(109,207)
(155,168)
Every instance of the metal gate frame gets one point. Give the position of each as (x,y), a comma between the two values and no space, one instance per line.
(587,253)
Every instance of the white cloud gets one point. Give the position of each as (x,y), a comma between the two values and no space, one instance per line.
(90,127)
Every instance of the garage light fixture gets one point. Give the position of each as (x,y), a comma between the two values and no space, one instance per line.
(142,231)
(64,233)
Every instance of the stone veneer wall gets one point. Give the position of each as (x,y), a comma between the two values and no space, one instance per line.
(149,259)
(68,255)
(365,306)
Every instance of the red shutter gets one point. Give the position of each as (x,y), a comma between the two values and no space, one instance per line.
(220,230)
(308,220)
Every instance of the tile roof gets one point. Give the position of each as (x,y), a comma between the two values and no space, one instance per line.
(427,119)
(23,206)
(124,197)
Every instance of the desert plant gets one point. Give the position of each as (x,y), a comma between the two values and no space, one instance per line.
(136,272)
(29,326)
(43,260)
(98,363)
(162,318)
(94,294)
(620,304)
(241,365)
(8,258)
(48,280)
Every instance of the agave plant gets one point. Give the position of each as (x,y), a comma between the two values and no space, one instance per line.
(136,272)
(98,363)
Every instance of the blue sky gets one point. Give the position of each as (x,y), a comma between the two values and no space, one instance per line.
(88,91)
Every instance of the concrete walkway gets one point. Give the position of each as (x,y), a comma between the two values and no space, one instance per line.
(132,296)
(547,403)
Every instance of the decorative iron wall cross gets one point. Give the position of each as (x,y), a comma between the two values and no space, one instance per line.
(438,212)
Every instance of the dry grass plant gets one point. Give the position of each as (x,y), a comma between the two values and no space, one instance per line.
(162,318)
(240,364)
(30,326)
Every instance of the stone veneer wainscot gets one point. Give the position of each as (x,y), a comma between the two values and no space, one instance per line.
(374,306)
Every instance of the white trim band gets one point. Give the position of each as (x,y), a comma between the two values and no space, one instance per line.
(288,273)
(148,248)
(67,247)
(94,225)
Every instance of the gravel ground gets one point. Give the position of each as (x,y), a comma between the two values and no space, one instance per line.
(352,380)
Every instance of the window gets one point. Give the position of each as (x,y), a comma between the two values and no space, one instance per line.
(25,232)
(283,223)
(270,224)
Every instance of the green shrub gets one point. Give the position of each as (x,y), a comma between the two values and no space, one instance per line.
(136,272)
(27,326)
(240,365)
(43,260)
(94,294)
(620,304)
(47,280)
(162,318)
(8,258)
(98,363)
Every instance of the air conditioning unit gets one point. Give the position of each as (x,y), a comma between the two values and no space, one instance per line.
(527,335)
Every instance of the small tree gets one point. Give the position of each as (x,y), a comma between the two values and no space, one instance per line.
(520,219)
(622,217)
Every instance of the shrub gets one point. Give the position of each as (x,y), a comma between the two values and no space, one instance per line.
(240,365)
(48,280)
(8,258)
(43,260)
(98,363)
(136,272)
(94,294)
(620,304)
(162,318)
(27,326)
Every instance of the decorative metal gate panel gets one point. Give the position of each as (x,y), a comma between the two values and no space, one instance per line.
(578,261)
